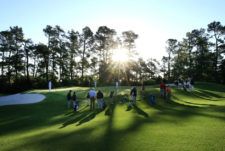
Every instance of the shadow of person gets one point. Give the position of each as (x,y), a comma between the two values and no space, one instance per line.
(129,107)
(140,111)
(75,118)
(110,109)
(88,118)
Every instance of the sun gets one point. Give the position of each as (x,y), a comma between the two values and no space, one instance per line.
(120,55)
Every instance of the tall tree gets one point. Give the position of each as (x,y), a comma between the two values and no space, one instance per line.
(53,45)
(181,64)
(189,44)
(28,49)
(128,40)
(163,67)
(217,32)
(43,53)
(73,45)
(202,55)
(4,49)
(60,50)
(171,47)
(86,40)
(104,43)
(16,46)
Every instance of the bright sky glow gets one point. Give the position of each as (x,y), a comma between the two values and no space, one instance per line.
(154,21)
(120,55)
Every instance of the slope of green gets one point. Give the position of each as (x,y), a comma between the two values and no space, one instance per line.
(192,121)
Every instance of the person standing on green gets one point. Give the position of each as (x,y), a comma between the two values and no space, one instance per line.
(100,99)
(168,91)
(162,89)
(133,94)
(74,98)
(69,99)
(92,95)
(111,96)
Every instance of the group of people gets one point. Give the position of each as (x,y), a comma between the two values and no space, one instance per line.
(91,99)
(165,91)
(185,84)
(72,98)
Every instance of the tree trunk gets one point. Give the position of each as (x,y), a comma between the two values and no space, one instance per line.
(169,68)
(3,58)
(82,68)
(27,64)
(46,66)
(216,62)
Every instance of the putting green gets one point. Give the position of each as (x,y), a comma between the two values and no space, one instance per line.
(192,121)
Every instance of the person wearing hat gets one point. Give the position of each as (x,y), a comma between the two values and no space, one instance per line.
(92,95)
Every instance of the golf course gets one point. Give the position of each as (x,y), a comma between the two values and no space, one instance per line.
(192,121)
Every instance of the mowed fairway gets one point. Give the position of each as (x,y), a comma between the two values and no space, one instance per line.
(191,122)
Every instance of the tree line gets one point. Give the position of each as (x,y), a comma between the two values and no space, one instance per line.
(70,58)
(80,58)
(201,55)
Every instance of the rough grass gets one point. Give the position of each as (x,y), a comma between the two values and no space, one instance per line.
(191,122)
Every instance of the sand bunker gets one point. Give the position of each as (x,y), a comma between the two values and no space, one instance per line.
(21,99)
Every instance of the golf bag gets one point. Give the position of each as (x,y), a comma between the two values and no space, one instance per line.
(76,106)
(152,98)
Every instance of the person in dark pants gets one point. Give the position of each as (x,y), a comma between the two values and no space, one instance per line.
(92,95)
(100,99)
(69,99)
(169,91)
(74,98)
(111,97)
(162,89)
(133,94)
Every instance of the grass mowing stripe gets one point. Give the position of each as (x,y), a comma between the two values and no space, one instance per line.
(192,121)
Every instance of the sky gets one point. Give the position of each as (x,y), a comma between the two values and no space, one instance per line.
(155,21)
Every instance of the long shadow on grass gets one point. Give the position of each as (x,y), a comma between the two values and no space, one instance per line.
(213,87)
(19,118)
(86,116)
(140,111)
(76,118)
(191,103)
(206,95)
(112,138)
(180,110)
(81,117)
(79,140)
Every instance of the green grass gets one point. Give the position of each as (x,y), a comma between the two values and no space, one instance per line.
(191,122)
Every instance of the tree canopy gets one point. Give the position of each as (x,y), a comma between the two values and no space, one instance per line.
(75,58)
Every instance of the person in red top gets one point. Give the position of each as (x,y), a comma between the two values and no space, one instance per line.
(162,89)
(168,90)
(143,90)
